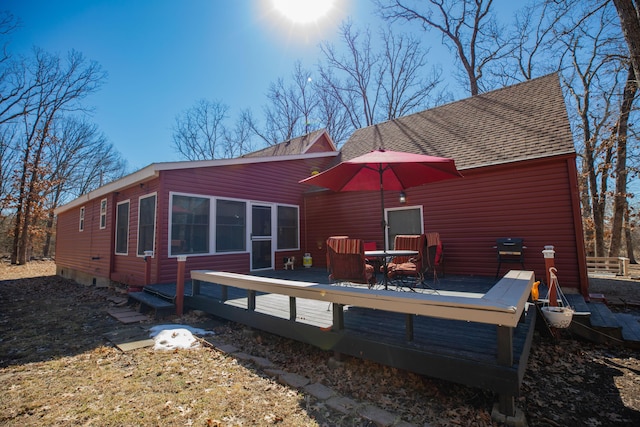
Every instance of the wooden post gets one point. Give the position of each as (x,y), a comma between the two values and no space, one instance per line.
(147,267)
(549,262)
(293,313)
(507,404)
(180,285)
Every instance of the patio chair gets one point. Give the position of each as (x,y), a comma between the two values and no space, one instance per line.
(347,263)
(510,249)
(435,255)
(403,267)
(331,242)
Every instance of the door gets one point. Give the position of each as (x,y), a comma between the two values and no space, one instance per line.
(403,221)
(261,237)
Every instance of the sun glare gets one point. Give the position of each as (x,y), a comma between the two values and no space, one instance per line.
(303,11)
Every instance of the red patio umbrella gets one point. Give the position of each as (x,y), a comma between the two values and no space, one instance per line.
(385,170)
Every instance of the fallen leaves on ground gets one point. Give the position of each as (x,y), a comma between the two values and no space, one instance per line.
(57,368)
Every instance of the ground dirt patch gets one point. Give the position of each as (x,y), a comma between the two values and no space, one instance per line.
(58,368)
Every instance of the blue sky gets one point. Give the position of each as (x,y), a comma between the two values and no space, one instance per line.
(163,55)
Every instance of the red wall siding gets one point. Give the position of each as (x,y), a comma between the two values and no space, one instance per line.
(275,182)
(532,200)
(130,268)
(89,250)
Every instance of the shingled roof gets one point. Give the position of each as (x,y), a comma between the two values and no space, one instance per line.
(294,146)
(521,122)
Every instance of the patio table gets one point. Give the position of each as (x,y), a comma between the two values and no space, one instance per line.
(385,256)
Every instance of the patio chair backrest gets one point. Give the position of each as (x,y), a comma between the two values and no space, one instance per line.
(434,249)
(346,260)
(411,242)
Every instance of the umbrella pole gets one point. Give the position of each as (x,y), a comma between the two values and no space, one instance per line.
(383,222)
(385,267)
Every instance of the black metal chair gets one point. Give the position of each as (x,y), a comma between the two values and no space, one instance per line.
(510,250)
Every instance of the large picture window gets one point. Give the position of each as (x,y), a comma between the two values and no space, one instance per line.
(231,226)
(146,224)
(189,225)
(287,227)
(122,228)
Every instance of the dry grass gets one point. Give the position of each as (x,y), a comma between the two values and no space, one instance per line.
(57,368)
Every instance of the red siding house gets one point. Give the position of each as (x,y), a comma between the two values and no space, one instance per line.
(515,149)
(513,146)
(237,215)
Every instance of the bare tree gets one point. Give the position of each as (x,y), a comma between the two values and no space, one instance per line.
(199,132)
(371,86)
(238,140)
(592,73)
(80,161)
(629,13)
(331,113)
(620,205)
(8,164)
(467,28)
(405,85)
(55,86)
(357,86)
(536,44)
(291,110)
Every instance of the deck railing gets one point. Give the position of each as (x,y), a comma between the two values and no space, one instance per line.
(502,305)
(613,265)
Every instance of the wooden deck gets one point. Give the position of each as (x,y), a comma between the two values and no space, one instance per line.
(467,331)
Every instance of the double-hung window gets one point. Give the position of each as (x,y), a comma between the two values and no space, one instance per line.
(288,228)
(231,226)
(190,219)
(122,228)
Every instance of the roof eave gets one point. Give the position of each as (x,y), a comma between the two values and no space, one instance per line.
(154,169)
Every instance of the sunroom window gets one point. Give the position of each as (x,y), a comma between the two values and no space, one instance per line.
(122,228)
(146,224)
(189,225)
(231,226)
(287,227)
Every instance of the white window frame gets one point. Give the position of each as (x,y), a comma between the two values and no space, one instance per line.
(170,224)
(213,200)
(214,225)
(103,214)
(402,208)
(155,220)
(277,223)
(81,222)
(115,246)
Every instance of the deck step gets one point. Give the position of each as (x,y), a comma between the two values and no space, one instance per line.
(577,302)
(148,300)
(602,316)
(630,329)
